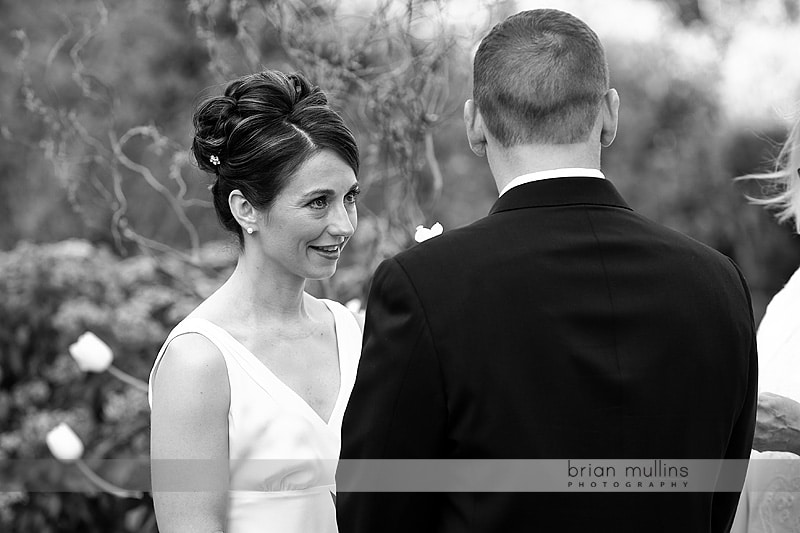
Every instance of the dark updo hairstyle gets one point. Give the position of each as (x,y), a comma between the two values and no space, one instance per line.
(256,136)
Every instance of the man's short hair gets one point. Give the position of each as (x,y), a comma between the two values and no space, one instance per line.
(539,77)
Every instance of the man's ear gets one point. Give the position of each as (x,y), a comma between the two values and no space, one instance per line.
(610,112)
(242,210)
(476,135)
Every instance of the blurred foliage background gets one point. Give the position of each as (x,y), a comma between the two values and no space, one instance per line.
(107,223)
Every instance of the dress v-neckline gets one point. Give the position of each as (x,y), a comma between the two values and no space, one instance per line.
(289,392)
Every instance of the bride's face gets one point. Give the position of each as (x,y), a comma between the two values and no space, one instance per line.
(305,229)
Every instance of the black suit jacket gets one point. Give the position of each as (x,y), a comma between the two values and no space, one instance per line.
(562,326)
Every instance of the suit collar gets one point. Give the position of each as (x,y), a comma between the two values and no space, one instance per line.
(560,192)
(551,174)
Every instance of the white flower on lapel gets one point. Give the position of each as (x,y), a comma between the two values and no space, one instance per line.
(354,305)
(91,354)
(423,233)
(64,444)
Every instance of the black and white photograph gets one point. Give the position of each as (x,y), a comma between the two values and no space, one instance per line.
(390,266)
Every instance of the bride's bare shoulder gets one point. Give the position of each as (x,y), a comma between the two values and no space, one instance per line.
(316,307)
(322,308)
(193,349)
(192,364)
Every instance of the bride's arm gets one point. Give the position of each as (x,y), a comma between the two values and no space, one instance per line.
(189,437)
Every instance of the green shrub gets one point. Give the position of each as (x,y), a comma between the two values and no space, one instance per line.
(51,294)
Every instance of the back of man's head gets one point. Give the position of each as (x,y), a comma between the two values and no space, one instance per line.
(539,77)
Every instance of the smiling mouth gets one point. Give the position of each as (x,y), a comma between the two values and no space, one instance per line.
(330,251)
(333,248)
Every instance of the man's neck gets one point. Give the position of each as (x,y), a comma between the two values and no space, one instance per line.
(508,163)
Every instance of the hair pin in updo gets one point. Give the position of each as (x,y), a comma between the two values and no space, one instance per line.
(214,160)
(297,87)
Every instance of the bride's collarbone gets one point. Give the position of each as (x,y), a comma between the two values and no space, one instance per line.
(312,351)
(281,342)
(305,362)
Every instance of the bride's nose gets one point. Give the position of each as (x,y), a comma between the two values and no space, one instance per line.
(340,223)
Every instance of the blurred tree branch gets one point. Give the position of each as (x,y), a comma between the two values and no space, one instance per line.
(80,159)
(387,72)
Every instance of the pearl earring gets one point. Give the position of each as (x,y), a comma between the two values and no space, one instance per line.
(249,231)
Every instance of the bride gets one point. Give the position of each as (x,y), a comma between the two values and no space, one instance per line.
(261,369)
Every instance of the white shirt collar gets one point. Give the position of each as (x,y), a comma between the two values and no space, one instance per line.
(550,174)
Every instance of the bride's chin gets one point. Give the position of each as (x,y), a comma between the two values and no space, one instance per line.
(321,276)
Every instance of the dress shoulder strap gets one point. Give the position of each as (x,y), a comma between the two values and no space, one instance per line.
(348,331)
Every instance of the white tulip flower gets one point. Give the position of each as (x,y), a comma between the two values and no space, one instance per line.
(91,354)
(423,233)
(64,444)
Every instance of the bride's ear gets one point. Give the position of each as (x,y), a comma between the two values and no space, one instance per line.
(473,121)
(243,211)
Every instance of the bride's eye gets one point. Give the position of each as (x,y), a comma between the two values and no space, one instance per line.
(351,197)
(318,203)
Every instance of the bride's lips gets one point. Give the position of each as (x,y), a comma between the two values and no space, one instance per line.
(328,252)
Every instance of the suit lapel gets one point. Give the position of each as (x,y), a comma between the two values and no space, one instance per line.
(560,192)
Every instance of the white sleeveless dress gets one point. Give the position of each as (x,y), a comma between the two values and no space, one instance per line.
(292,491)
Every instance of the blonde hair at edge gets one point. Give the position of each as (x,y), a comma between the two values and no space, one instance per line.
(784,181)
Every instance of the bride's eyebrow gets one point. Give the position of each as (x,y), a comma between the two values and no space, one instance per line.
(319,192)
(327,192)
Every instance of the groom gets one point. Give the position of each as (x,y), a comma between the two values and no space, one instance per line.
(563,325)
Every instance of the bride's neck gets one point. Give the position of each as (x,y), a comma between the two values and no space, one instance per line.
(257,292)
